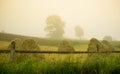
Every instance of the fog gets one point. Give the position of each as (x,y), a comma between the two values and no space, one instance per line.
(98,18)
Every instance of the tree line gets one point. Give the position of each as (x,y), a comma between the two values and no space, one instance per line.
(55,28)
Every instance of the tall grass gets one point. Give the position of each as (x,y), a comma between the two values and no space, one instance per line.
(93,65)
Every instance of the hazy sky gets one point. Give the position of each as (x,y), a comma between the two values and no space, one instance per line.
(27,17)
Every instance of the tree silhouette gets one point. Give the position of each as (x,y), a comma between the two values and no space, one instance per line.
(79,31)
(55,27)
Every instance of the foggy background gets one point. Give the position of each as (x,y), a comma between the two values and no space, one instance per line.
(98,18)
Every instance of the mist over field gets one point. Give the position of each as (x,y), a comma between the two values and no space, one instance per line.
(97,18)
(59,36)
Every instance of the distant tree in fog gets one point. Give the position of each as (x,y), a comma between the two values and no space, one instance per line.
(54,27)
(79,32)
(108,38)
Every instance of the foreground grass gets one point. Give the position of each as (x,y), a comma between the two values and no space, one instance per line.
(93,65)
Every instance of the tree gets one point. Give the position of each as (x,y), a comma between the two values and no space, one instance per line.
(108,38)
(79,32)
(55,27)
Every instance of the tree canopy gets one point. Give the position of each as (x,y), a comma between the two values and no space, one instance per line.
(54,27)
(79,31)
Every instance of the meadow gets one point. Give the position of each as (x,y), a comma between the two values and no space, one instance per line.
(61,63)
(50,57)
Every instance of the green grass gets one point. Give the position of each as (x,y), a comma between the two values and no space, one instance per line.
(72,64)
(96,65)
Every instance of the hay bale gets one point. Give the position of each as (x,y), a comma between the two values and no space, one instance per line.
(108,45)
(65,46)
(95,46)
(18,43)
(29,44)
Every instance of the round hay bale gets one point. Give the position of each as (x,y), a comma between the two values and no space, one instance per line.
(108,45)
(95,46)
(65,46)
(17,42)
(29,44)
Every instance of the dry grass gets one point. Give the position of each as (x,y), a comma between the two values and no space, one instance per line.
(75,57)
(4,45)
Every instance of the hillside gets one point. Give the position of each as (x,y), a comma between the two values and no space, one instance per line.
(41,41)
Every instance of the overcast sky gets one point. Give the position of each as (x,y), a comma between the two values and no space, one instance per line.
(27,17)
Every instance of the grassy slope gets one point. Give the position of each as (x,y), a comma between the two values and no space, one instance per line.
(52,64)
(41,41)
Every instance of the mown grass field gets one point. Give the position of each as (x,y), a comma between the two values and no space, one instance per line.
(62,63)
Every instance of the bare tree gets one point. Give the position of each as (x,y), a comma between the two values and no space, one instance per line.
(79,32)
(55,26)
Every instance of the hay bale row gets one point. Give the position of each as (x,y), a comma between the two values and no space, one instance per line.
(28,44)
(94,45)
